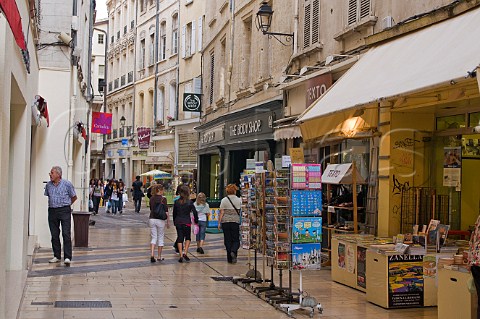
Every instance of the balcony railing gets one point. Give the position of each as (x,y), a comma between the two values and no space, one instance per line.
(121,132)
(115,85)
(130,76)
(114,131)
(122,80)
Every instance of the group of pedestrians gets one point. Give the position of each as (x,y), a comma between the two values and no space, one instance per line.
(61,195)
(111,192)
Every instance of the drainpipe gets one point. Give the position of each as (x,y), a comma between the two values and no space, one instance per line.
(155,53)
(232,46)
(295,29)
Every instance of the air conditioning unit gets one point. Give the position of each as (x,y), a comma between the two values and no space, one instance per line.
(388,22)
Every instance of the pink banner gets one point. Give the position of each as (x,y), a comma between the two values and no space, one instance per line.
(143,134)
(101,122)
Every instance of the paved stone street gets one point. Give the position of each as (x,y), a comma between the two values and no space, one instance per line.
(116,268)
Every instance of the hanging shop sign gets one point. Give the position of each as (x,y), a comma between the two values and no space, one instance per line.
(101,122)
(212,135)
(316,87)
(405,281)
(257,124)
(192,102)
(143,134)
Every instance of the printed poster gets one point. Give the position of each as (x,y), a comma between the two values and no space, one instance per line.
(306,256)
(213,218)
(452,166)
(362,267)
(350,259)
(307,230)
(341,255)
(405,281)
(430,266)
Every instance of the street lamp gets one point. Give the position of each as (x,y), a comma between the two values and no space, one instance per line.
(123,120)
(264,21)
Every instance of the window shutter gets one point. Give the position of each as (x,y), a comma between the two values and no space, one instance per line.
(315,20)
(184,44)
(306,26)
(364,8)
(192,45)
(352,11)
(200,33)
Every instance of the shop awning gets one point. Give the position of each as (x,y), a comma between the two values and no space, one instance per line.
(286,132)
(425,59)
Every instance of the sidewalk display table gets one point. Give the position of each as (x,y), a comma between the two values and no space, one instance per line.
(454,298)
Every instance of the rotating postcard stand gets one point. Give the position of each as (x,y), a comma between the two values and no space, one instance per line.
(305,232)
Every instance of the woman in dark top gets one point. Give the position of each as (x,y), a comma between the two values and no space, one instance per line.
(182,221)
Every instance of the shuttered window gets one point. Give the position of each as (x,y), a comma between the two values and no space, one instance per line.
(358,9)
(212,75)
(311,24)
(187,147)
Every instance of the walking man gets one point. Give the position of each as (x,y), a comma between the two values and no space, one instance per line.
(61,195)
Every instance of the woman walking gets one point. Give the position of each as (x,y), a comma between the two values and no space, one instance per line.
(203,210)
(97,194)
(120,191)
(107,195)
(114,199)
(229,221)
(182,221)
(157,223)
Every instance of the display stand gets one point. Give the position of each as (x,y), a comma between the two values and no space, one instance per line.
(341,174)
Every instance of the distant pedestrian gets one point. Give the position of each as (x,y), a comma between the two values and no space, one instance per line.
(120,192)
(137,193)
(97,194)
(61,195)
(203,210)
(182,221)
(107,196)
(156,223)
(114,199)
(229,222)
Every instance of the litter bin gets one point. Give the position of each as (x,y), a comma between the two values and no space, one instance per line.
(80,228)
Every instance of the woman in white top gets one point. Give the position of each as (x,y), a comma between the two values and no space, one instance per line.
(203,210)
(229,222)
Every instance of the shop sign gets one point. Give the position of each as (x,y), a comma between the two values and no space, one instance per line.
(143,134)
(192,102)
(212,135)
(405,281)
(251,126)
(316,87)
(296,155)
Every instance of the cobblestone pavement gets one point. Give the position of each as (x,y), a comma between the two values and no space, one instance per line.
(116,269)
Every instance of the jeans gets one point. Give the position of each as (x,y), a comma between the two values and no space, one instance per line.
(96,203)
(114,206)
(56,217)
(476,278)
(202,225)
(231,238)
(138,204)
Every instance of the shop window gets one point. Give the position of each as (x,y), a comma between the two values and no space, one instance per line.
(450,122)
(474,119)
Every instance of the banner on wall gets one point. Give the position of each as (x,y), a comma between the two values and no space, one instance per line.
(143,135)
(101,122)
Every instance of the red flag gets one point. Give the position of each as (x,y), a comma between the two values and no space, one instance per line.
(9,7)
(84,133)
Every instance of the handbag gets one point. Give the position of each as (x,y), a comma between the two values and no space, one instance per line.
(236,209)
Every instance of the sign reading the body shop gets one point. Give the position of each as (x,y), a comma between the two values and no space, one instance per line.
(192,102)
(255,125)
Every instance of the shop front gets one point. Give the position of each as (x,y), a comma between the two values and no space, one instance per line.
(227,142)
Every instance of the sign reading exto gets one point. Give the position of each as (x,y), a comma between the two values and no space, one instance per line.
(192,102)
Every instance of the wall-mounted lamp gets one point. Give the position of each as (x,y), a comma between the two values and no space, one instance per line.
(123,120)
(264,21)
(332,57)
(305,69)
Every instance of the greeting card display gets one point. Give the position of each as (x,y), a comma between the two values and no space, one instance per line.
(307,230)
(306,176)
(306,202)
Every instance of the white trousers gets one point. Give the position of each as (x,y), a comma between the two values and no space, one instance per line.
(157,231)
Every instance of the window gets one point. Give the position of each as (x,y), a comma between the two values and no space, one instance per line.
(175,34)
(358,9)
(100,38)
(212,75)
(151,59)
(474,119)
(101,71)
(311,23)
(173,99)
(142,54)
(163,41)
